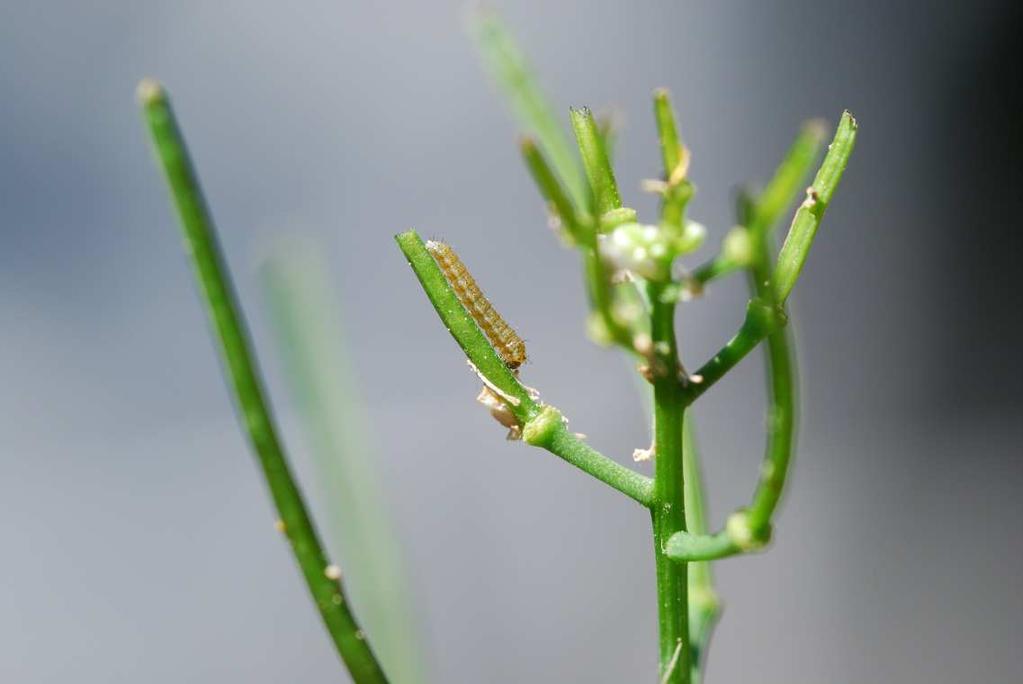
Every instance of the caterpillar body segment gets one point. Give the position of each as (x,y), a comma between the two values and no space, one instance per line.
(505,341)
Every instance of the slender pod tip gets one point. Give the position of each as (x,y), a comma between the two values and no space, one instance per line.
(150,91)
(818,128)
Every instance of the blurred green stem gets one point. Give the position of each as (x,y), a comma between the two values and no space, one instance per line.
(306,319)
(320,575)
(704,605)
(515,77)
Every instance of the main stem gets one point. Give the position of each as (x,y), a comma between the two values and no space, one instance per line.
(668,510)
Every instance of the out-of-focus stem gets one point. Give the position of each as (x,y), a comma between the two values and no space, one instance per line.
(306,319)
(704,605)
(512,72)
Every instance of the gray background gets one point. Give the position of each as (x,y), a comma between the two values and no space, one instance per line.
(136,534)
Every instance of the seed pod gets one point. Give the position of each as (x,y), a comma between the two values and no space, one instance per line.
(508,345)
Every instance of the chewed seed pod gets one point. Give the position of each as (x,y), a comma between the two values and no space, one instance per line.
(505,341)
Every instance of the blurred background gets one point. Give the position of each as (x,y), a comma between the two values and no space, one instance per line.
(137,536)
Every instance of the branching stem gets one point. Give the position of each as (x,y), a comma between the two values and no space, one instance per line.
(542,425)
(750,529)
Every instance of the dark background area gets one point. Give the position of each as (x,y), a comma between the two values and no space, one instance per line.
(137,536)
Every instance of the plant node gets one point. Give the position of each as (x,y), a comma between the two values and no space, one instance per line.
(540,431)
(745,537)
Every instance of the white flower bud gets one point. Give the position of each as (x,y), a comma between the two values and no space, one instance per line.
(637,248)
(737,246)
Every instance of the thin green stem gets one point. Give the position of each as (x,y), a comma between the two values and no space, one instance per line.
(750,529)
(672,151)
(560,181)
(513,74)
(296,288)
(606,205)
(778,195)
(596,163)
(580,227)
(549,431)
(718,267)
(700,547)
(761,319)
(780,367)
(558,201)
(808,217)
(464,329)
(669,512)
(541,425)
(674,156)
(704,605)
(225,315)
(763,213)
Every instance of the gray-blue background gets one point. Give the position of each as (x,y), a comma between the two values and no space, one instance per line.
(135,531)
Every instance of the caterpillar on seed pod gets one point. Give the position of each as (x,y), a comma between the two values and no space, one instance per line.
(505,341)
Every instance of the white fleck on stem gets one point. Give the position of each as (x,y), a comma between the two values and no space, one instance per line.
(514,401)
(672,664)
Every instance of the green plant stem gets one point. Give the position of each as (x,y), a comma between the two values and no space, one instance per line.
(701,597)
(604,199)
(718,267)
(787,181)
(673,155)
(777,196)
(561,182)
(672,150)
(761,319)
(548,431)
(808,217)
(226,317)
(669,512)
(781,387)
(513,74)
(542,425)
(766,284)
(700,547)
(305,316)
(553,192)
(704,605)
(596,163)
(780,367)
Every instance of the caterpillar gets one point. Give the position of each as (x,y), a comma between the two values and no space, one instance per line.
(505,341)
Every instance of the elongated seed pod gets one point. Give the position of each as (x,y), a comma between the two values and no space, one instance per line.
(508,345)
